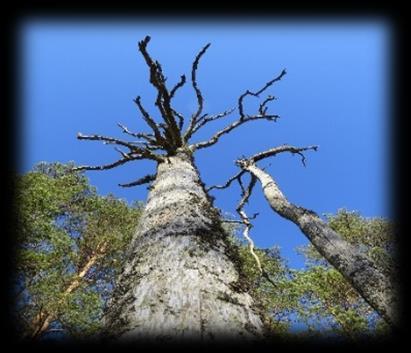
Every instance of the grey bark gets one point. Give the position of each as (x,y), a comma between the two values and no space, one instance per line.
(373,285)
(182,279)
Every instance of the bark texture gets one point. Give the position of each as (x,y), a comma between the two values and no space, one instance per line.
(374,286)
(182,279)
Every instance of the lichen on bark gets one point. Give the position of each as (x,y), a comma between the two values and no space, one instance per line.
(182,278)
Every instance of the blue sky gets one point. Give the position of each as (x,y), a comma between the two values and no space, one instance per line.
(81,76)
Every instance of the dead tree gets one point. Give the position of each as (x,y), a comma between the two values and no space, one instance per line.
(181,279)
(375,287)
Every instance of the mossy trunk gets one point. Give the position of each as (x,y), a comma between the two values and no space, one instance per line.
(182,278)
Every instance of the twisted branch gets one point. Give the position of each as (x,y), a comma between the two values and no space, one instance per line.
(228,183)
(256,94)
(206,119)
(150,138)
(152,124)
(194,81)
(157,79)
(213,140)
(246,221)
(177,86)
(105,166)
(263,108)
(180,119)
(135,152)
(280,149)
(242,119)
(200,99)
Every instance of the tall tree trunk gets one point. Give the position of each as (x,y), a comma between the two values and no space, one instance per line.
(182,279)
(371,283)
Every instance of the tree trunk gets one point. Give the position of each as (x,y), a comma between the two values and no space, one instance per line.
(182,279)
(374,286)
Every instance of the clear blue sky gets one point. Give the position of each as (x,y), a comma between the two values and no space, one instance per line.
(80,76)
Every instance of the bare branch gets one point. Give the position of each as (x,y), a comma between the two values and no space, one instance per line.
(148,137)
(180,119)
(135,152)
(144,180)
(231,127)
(108,140)
(127,131)
(256,94)
(246,220)
(177,86)
(240,182)
(106,166)
(228,183)
(205,120)
(276,150)
(150,121)
(232,221)
(157,79)
(194,81)
(125,155)
(200,99)
(195,125)
(263,108)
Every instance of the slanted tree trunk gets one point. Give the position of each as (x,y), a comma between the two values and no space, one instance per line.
(372,284)
(181,279)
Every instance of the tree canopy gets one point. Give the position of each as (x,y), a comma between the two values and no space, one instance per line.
(69,249)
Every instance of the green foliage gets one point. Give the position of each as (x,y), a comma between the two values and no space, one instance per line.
(318,297)
(272,294)
(63,226)
(326,296)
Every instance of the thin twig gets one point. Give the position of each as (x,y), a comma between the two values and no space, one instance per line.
(228,183)
(246,220)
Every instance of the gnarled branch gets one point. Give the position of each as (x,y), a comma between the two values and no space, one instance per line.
(276,150)
(180,119)
(242,119)
(105,166)
(157,79)
(200,99)
(150,138)
(135,152)
(256,94)
(247,227)
(152,124)
(178,85)
(108,140)
(263,108)
(206,119)
(228,183)
(213,140)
